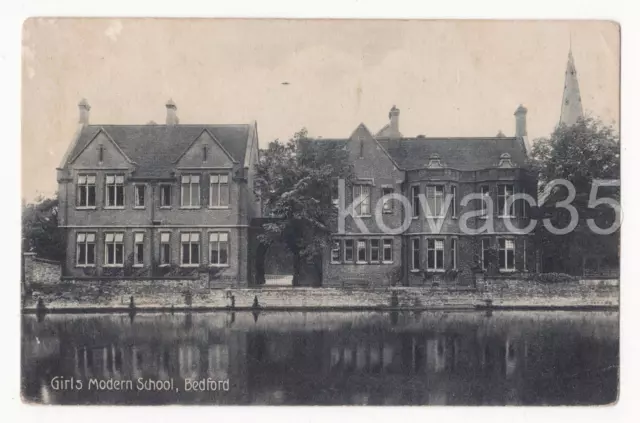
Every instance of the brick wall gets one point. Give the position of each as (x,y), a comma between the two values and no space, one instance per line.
(173,293)
(38,270)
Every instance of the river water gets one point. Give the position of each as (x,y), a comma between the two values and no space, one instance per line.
(376,358)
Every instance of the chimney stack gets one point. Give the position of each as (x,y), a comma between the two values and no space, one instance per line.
(83,109)
(394,120)
(172,117)
(521,121)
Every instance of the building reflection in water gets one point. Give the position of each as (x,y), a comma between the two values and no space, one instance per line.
(338,358)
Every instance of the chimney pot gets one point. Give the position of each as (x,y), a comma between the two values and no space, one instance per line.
(172,117)
(83,109)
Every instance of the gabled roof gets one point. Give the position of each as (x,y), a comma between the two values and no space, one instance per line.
(155,148)
(457,153)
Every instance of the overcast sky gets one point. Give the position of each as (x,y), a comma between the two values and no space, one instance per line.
(454,78)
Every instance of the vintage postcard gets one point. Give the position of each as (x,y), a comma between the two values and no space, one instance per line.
(320,212)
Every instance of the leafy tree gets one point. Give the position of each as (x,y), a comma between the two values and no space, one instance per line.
(40,231)
(296,183)
(580,154)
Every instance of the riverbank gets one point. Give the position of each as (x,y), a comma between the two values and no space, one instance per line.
(512,295)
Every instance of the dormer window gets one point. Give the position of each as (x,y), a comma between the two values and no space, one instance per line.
(434,161)
(505,160)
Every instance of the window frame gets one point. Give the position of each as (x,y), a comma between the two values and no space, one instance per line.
(502,201)
(137,243)
(483,205)
(453,253)
(164,256)
(435,251)
(384,248)
(193,181)
(453,190)
(441,211)
(415,267)
(136,197)
(387,206)
(118,185)
(86,185)
(220,185)
(191,243)
(227,244)
(372,249)
(361,242)
(115,244)
(164,197)
(484,258)
(335,242)
(358,207)
(349,246)
(414,191)
(86,244)
(506,267)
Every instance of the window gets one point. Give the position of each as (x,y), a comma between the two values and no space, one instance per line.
(435,195)
(86,191)
(219,191)
(190,248)
(219,249)
(114,191)
(335,251)
(374,250)
(113,249)
(348,250)
(362,251)
(504,193)
(86,249)
(362,198)
(190,189)
(507,254)
(387,250)
(484,190)
(415,200)
(453,253)
(486,244)
(205,153)
(138,249)
(435,254)
(165,195)
(454,201)
(387,206)
(415,254)
(139,191)
(524,255)
(165,249)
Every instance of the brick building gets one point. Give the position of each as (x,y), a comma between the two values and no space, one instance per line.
(418,255)
(158,200)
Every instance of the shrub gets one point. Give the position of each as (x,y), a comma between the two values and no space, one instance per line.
(551,278)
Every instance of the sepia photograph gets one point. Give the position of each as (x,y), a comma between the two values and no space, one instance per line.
(320,212)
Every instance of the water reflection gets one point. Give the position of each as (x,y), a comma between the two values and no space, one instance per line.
(328,358)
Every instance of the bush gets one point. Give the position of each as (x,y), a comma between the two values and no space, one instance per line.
(551,278)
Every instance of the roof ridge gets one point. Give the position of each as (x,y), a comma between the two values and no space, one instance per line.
(164,124)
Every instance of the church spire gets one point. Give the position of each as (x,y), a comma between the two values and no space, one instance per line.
(571,109)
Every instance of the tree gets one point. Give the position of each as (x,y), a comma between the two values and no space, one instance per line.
(296,183)
(580,154)
(40,231)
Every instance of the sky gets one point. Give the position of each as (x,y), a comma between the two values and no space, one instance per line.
(448,78)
